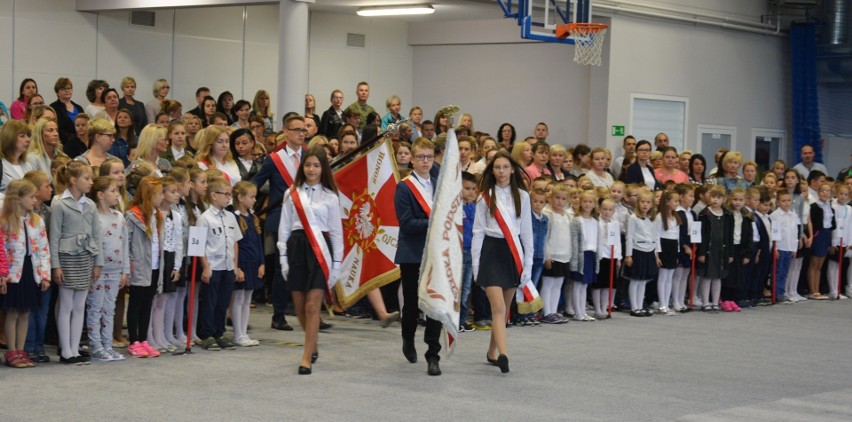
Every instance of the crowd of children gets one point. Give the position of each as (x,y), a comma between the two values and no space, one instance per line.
(88,241)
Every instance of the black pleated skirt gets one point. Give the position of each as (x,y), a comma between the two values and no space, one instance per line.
(496,265)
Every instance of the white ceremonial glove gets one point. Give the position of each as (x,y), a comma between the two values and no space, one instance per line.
(526,275)
(285,267)
(335,273)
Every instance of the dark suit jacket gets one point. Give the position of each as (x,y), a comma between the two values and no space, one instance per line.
(277,186)
(330,123)
(413,224)
(634,175)
(65,124)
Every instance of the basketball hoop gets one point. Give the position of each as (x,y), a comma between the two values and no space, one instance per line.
(588,40)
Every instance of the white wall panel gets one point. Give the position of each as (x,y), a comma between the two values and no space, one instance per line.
(261,71)
(8,87)
(140,52)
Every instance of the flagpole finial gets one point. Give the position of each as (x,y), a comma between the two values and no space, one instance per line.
(393,128)
(450,112)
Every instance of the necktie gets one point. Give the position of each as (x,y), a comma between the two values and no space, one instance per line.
(296,159)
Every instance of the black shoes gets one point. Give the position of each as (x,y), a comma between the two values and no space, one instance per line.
(314,357)
(503,363)
(434,368)
(324,325)
(281,325)
(304,370)
(409,351)
(491,361)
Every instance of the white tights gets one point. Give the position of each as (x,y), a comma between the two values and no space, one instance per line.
(600,299)
(69,320)
(792,286)
(680,281)
(158,317)
(579,298)
(180,299)
(240,306)
(550,289)
(568,295)
(664,286)
(169,321)
(637,294)
(710,290)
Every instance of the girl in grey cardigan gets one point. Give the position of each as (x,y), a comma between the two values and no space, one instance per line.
(75,254)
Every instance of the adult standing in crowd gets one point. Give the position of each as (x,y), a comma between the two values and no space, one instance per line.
(361,106)
(260,108)
(28,89)
(661,141)
(541,132)
(200,94)
(670,169)
(154,107)
(641,171)
(808,163)
(332,119)
(311,108)
(94,93)
(629,146)
(66,110)
(136,108)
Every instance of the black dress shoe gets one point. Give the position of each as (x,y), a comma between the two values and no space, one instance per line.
(409,351)
(324,325)
(314,357)
(503,363)
(282,325)
(491,361)
(73,360)
(304,370)
(434,368)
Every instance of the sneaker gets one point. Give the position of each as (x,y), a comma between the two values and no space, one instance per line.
(466,327)
(115,355)
(101,355)
(842,296)
(226,344)
(788,300)
(171,348)
(137,350)
(210,344)
(601,316)
(254,342)
(152,352)
(764,302)
(735,307)
(482,325)
(549,319)
(535,321)
(244,342)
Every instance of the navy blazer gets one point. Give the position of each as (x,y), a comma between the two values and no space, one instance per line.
(277,186)
(762,244)
(634,175)
(413,224)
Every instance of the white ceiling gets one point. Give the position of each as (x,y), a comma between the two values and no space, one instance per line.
(444,9)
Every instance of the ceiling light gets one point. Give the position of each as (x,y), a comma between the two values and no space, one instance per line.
(415,9)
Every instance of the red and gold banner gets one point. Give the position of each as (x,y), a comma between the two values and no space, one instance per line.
(370,228)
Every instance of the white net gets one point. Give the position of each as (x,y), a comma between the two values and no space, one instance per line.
(588,43)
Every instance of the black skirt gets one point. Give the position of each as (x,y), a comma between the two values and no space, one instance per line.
(496,265)
(167,266)
(25,294)
(557,269)
(602,280)
(644,266)
(669,253)
(305,271)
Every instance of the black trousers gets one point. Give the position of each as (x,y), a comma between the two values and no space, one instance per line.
(139,309)
(410,275)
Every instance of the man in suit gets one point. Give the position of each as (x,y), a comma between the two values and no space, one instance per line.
(279,176)
(413,203)
(200,94)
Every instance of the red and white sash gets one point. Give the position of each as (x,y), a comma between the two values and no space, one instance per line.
(527,295)
(284,165)
(224,173)
(315,237)
(509,231)
(424,198)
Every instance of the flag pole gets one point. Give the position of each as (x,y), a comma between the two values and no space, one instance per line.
(774,268)
(611,278)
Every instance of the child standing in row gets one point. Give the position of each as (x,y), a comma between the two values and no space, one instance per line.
(821,224)
(840,236)
(38,314)
(115,274)
(250,261)
(175,303)
(24,266)
(584,247)
(680,280)
(714,252)
(607,270)
(640,258)
(786,223)
(557,251)
(75,254)
(742,250)
(169,266)
(668,226)
(144,224)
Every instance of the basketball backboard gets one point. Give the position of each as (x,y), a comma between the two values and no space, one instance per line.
(538,18)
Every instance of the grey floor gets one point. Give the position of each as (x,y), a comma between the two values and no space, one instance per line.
(788,362)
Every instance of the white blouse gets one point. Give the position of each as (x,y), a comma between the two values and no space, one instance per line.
(558,244)
(325,205)
(484,224)
(641,235)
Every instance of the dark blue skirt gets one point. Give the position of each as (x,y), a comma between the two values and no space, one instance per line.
(588,275)
(25,294)
(644,266)
(821,243)
(305,271)
(497,265)
(252,281)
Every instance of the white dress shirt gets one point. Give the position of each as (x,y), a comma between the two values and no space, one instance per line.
(484,224)
(223,232)
(325,205)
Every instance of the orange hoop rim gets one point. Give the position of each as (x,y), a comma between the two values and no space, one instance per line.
(565,30)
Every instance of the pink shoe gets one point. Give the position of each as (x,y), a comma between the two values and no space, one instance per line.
(152,352)
(137,350)
(735,307)
(726,306)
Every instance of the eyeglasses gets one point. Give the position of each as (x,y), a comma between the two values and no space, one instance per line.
(67,88)
(424,157)
(297,130)
(643,150)
(227,194)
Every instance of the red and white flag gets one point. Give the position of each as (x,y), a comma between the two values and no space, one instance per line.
(366,189)
(441,270)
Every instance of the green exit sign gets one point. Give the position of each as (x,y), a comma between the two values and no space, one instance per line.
(618,131)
